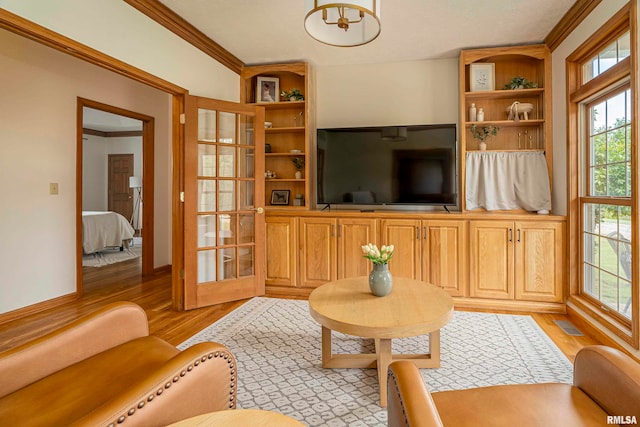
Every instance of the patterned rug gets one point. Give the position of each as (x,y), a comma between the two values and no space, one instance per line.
(278,351)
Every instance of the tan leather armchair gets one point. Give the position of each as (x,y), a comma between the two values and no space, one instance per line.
(606,384)
(105,370)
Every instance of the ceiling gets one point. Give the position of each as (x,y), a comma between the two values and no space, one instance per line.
(108,122)
(260,31)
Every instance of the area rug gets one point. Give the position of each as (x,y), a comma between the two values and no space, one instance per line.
(278,351)
(113,255)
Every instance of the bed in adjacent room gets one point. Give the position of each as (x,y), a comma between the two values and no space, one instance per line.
(102,230)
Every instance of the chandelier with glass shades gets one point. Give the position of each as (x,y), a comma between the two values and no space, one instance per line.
(343,24)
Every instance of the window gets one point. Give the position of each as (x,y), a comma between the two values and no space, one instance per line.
(602,133)
(607,58)
(606,224)
(609,140)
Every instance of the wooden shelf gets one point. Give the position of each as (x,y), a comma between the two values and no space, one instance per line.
(523,150)
(285,105)
(506,93)
(284,180)
(506,123)
(284,154)
(285,129)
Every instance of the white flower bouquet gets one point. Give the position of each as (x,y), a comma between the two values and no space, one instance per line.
(378,256)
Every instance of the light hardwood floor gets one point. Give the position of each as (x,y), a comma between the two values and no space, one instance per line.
(123,282)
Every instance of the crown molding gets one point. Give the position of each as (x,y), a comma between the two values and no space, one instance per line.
(179,26)
(574,17)
(23,27)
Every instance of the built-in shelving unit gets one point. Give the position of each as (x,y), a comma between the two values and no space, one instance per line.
(533,62)
(292,131)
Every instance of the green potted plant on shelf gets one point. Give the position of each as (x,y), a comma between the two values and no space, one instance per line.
(520,83)
(293,95)
(483,133)
(298,162)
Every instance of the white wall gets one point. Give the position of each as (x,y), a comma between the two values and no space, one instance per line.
(595,20)
(38,92)
(119,30)
(95,174)
(400,93)
(38,100)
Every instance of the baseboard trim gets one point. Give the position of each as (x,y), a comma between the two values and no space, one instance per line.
(163,269)
(36,308)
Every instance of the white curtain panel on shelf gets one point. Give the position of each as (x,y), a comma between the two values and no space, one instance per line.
(499,180)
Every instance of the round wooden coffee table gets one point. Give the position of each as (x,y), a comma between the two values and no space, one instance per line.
(412,308)
(240,417)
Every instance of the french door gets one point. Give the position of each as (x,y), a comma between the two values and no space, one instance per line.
(223,202)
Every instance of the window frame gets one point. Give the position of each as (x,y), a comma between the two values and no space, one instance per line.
(580,94)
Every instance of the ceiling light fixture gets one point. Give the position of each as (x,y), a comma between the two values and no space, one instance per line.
(343,24)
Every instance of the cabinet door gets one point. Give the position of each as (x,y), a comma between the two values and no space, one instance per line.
(317,251)
(281,238)
(404,234)
(444,260)
(491,259)
(539,267)
(352,234)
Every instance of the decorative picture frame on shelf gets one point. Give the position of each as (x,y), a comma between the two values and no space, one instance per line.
(482,77)
(280,197)
(267,89)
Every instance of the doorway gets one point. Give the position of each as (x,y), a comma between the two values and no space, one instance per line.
(115,164)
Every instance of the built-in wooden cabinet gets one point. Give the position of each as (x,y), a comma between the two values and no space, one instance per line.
(500,261)
(491,259)
(331,248)
(521,260)
(429,250)
(291,133)
(539,261)
(501,65)
(317,251)
(404,235)
(444,255)
(352,234)
(281,240)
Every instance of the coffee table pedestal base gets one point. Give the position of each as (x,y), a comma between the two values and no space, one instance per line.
(381,359)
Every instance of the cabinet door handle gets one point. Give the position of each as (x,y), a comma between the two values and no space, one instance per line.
(417,233)
(518,235)
(333,230)
(424,233)
(511,234)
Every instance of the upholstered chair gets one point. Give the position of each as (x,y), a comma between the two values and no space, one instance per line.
(605,390)
(105,370)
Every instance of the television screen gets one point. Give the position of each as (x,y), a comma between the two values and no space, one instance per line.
(414,165)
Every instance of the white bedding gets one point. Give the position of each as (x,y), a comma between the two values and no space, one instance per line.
(102,230)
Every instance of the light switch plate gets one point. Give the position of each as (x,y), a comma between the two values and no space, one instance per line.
(53,188)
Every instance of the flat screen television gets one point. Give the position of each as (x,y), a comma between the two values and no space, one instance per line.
(397,165)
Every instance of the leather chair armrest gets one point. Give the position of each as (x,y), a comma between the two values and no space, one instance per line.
(196,381)
(409,402)
(105,328)
(610,378)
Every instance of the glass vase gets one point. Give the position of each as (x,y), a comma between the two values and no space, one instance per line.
(380,280)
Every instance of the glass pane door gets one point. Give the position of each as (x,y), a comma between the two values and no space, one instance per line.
(228,228)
